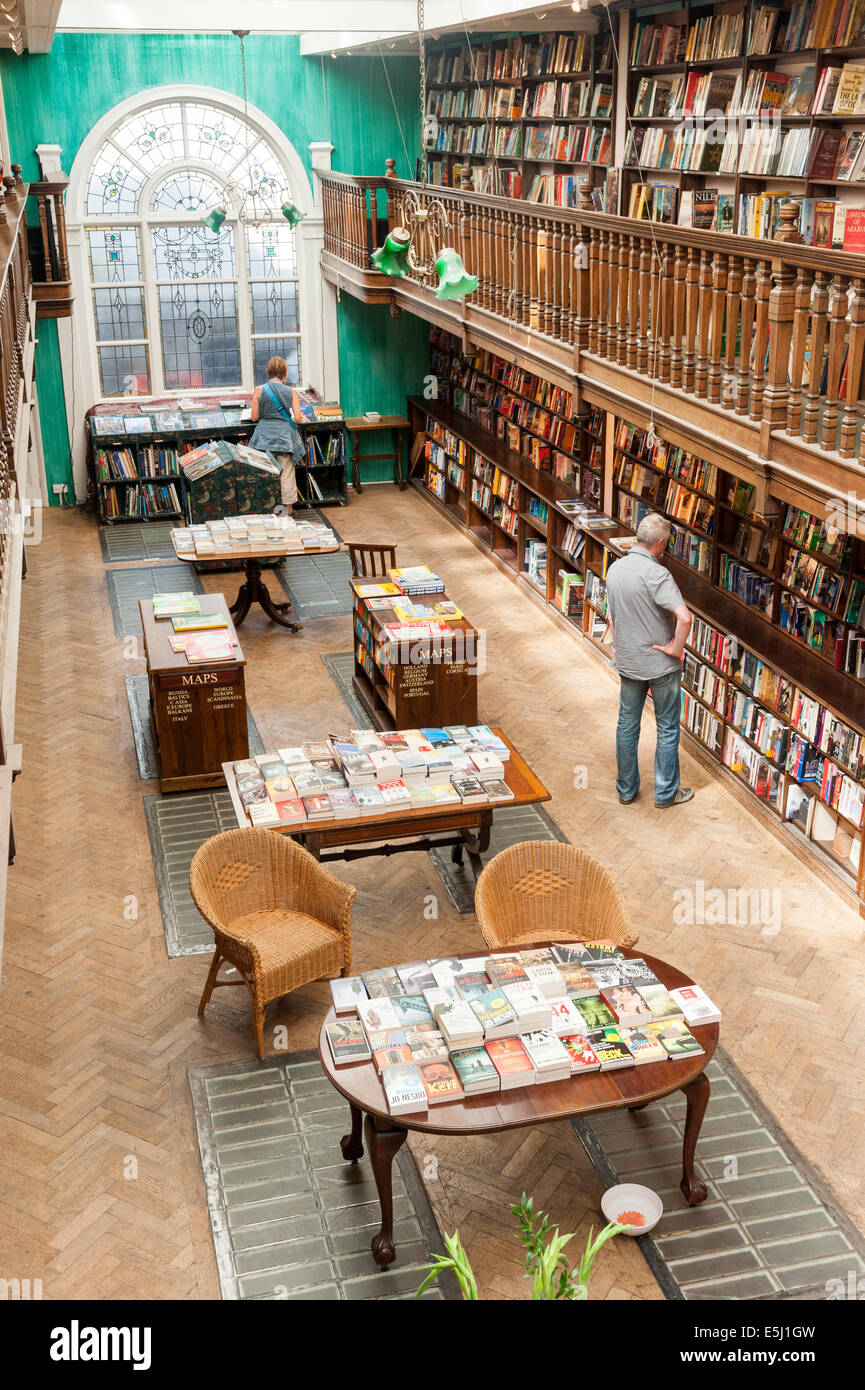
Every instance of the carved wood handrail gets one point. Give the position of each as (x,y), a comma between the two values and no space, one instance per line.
(771,331)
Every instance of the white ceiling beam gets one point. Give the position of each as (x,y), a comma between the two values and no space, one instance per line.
(40,23)
(220,16)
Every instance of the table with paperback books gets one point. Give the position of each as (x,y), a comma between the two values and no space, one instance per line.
(195,674)
(474,1044)
(388,793)
(249,540)
(416,658)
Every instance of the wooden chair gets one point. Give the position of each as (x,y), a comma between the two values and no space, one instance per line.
(277,915)
(542,890)
(372,560)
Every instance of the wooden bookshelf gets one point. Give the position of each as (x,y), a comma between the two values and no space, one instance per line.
(746,697)
(670,133)
(461,452)
(153,440)
(536,420)
(529,116)
(812,588)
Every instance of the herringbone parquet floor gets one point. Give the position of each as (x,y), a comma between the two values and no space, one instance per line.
(101,1193)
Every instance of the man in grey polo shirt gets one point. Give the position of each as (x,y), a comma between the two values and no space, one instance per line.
(649,621)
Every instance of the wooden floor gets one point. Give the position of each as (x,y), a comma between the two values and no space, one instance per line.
(101,1193)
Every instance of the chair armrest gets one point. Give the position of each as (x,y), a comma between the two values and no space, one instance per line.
(326,898)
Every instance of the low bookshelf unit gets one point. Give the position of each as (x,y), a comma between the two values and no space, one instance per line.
(415,683)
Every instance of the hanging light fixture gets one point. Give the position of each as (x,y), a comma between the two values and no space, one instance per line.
(417,245)
(257,203)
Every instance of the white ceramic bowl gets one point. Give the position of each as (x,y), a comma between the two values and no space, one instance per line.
(631,1197)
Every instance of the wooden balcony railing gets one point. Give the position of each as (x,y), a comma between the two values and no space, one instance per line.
(769,332)
(49,256)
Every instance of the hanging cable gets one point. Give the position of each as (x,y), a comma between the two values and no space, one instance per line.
(651,434)
(395,111)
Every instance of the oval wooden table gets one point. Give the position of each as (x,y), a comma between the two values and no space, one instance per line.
(628,1088)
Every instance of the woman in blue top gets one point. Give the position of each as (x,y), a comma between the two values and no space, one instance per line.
(274,428)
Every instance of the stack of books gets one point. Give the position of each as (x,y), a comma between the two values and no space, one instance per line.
(363,773)
(283,535)
(442,1029)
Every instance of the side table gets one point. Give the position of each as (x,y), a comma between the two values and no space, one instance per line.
(357,425)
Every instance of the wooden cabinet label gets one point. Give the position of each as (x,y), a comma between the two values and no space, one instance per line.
(189,679)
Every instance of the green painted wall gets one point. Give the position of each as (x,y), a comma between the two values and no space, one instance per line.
(57,97)
(381,361)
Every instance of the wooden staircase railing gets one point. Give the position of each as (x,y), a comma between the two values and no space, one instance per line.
(49,256)
(769,332)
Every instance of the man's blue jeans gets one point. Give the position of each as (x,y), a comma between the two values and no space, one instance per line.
(666,697)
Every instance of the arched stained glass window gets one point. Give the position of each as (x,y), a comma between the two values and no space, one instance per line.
(176,306)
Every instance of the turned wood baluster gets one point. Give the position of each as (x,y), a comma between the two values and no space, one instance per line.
(618,299)
(592,239)
(41,202)
(819,325)
(855,360)
(356,221)
(492,238)
(732,316)
(719,290)
(692,305)
(543,274)
(645,298)
(798,343)
(609,298)
(555,281)
(704,324)
(524,271)
(743,378)
(782,304)
(509,307)
(502,242)
(678,324)
(664,314)
(633,328)
(60,224)
(837,338)
(531,235)
(624,299)
(762,291)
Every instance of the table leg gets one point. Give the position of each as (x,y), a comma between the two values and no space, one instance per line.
(479,843)
(397,460)
(697,1095)
(384,1139)
(352,1144)
(241,605)
(277,612)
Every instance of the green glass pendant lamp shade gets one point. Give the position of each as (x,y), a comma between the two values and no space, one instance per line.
(214,219)
(292,214)
(454,280)
(392,258)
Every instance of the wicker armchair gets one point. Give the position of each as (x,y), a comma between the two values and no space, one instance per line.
(277,915)
(542,890)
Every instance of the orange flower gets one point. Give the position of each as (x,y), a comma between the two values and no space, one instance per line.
(631,1218)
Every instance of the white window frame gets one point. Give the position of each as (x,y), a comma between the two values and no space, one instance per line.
(316,297)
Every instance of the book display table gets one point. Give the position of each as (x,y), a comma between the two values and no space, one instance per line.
(199,711)
(406,688)
(357,425)
(253,589)
(628,1088)
(401,831)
